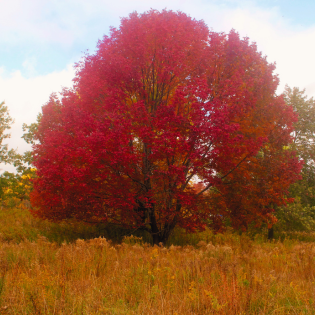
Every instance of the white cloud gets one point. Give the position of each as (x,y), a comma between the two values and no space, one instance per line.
(290,47)
(24,98)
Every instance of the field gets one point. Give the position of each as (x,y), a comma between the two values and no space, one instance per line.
(68,269)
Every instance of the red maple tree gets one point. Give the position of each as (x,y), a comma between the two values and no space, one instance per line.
(164,103)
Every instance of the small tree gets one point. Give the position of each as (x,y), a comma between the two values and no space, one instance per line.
(163,103)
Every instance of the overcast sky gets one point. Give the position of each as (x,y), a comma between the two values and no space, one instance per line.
(42,39)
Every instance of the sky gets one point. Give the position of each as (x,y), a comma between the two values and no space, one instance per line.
(40,41)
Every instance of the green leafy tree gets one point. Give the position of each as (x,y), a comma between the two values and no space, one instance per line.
(6,155)
(15,187)
(300,215)
(5,124)
(23,162)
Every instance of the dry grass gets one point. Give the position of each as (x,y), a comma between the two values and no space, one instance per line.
(224,274)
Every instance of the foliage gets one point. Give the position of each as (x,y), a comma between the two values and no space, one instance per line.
(23,162)
(5,124)
(296,217)
(30,130)
(163,103)
(6,156)
(304,128)
(16,188)
(301,214)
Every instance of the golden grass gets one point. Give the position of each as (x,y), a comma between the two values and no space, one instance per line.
(224,274)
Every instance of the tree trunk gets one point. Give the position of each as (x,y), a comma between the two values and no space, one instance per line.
(156,239)
(163,235)
(270,233)
(160,238)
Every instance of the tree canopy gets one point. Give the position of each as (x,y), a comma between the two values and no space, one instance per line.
(5,124)
(163,104)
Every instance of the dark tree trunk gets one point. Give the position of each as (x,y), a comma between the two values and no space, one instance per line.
(156,239)
(162,236)
(270,233)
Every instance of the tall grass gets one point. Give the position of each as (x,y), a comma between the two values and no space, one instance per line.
(220,274)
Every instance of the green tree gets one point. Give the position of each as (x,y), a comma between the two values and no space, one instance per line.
(15,187)
(6,155)
(23,162)
(300,215)
(5,124)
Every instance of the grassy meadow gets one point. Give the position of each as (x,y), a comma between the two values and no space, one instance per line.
(48,268)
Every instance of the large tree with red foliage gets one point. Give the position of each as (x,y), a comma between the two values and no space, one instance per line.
(164,103)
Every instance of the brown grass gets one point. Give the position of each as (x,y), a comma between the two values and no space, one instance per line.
(48,268)
(232,275)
